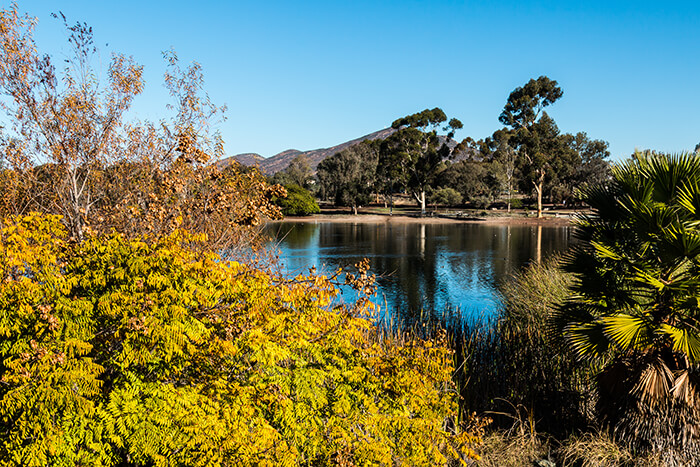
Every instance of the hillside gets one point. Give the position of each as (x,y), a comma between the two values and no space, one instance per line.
(249,158)
(280,161)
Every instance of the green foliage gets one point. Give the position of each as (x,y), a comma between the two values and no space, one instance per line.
(298,172)
(548,161)
(125,352)
(348,176)
(298,202)
(471,179)
(525,103)
(635,309)
(414,152)
(446,196)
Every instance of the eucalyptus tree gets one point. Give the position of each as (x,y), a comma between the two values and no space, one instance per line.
(298,172)
(502,157)
(594,167)
(533,130)
(635,308)
(417,149)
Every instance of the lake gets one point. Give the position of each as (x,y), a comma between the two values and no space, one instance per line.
(432,268)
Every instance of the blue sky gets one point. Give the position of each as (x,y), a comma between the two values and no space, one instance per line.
(305,75)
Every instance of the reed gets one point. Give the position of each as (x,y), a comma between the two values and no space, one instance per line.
(512,367)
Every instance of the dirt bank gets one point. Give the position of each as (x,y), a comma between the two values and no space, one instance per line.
(403,219)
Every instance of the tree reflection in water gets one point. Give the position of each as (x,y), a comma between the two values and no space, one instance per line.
(423,268)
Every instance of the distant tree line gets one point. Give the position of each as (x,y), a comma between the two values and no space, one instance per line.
(529,156)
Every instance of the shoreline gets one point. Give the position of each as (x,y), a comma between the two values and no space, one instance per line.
(407,219)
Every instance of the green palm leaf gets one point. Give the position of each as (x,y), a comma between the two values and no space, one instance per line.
(627,331)
(684,340)
(689,197)
(588,340)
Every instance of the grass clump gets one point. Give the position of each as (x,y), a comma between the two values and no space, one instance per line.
(515,361)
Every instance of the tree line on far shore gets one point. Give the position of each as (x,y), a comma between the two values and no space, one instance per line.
(529,156)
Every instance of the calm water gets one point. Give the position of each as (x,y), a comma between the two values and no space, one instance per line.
(423,268)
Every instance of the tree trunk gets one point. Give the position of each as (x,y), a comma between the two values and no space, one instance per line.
(421,201)
(509,194)
(354,210)
(539,186)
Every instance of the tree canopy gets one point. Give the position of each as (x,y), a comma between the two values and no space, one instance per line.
(418,150)
(349,176)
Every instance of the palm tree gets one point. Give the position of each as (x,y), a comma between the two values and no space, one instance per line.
(635,311)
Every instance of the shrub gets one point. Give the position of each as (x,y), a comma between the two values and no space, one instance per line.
(298,202)
(446,196)
(634,310)
(128,352)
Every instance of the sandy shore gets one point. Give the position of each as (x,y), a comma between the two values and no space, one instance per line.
(401,219)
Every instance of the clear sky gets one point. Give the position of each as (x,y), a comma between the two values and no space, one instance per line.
(305,74)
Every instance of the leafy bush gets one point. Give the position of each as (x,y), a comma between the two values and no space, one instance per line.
(446,196)
(126,352)
(516,203)
(298,202)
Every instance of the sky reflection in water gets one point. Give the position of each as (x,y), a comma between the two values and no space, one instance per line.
(422,268)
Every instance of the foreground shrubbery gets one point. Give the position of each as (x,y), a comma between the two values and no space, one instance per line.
(626,308)
(123,352)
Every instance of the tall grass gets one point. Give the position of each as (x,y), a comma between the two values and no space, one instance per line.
(513,368)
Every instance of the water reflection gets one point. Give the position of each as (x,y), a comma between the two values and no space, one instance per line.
(423,267)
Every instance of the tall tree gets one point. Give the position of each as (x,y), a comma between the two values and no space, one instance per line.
(102,172)
(349,175)
(298,172)
(523,111)
(497,150)
(68,118)
(418,149)
(594,168)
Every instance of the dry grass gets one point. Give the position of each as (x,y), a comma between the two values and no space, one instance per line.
(597,449)
(593,449)
(501,449)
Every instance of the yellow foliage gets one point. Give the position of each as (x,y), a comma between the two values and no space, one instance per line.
(119,351)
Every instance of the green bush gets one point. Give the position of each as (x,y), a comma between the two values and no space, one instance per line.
(298,202)
(516,203)
(446,196)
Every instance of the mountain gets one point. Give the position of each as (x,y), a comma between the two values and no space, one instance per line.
(249,158)
(274,164)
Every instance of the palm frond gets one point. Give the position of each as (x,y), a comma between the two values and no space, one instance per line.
(654,383)
(605,251)
(686,388)
(688,197)
(684,340)
(588,340)
(627,331)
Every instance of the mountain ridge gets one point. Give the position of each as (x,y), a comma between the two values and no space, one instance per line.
(280,161)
